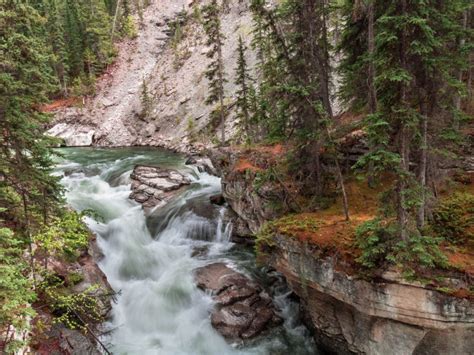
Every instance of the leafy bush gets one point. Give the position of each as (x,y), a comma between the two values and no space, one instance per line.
(264,238)
(66,235)
(74,310)
(453,219)
(129,29)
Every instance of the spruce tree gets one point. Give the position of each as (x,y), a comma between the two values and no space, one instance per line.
(243,82)
(415,59)
(56,34)
(293,48)
(74,38)
(215,71)
(26,79)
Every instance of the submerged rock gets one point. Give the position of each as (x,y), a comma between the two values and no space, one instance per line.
(153,186)
(243,309)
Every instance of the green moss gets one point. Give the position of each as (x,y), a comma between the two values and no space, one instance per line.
(265,238)
(293,224)
(74,278)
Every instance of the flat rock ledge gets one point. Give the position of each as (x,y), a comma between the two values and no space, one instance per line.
(154,186)
(243,309)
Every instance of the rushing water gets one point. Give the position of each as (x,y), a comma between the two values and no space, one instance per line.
(150,260)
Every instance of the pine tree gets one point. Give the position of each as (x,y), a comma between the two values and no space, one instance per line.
(293,48)
(215,72)
(243,82)
(74,38)
(415,59)
(55,30)
(25,154)
(16,293)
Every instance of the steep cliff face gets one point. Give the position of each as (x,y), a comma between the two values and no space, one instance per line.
(390,316)
(172,65)
(347,314)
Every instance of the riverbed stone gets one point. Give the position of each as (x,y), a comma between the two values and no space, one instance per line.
(243,308)
(155,186)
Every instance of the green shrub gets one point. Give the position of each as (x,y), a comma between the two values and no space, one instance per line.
(374,238)
(74,310)
(264,239)
(65,236)
(453,219)
(129,29)
(75,278)
(380,244)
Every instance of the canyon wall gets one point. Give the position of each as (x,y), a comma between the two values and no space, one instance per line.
(347,314)
(390,316)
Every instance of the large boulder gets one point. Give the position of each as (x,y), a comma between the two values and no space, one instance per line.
(154,186)
(243,309)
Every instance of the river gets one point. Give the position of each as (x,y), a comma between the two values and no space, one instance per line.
(149,260)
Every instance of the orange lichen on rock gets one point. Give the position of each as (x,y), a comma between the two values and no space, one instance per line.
(257,158)
(328,228)
(61,103)
(244,164)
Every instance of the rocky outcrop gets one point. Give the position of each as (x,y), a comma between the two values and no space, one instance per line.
(243,309)
(253,203)
(390,316)
(154,186)
(72,137)
(347,315)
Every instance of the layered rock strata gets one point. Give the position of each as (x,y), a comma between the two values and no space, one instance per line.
(154,186)
(391,316)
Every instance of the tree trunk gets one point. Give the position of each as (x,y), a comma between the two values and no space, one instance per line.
(403,142)
(28,236)
(221,89)
(457,99)
(371,77)
(117,10)
(325,67)
(371,47)
(423,166)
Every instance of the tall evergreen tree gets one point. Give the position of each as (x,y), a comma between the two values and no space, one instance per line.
(26,78)
(55,31)
(74,38)
(410,51)
(296,80)
(243,82)
(215,72)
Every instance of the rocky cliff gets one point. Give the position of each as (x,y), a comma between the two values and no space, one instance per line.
(390,316)
(347,314)
(171,63)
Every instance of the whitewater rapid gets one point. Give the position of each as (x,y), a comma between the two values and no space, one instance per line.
(149,260)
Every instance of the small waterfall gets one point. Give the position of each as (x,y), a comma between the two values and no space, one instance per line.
(149,259)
